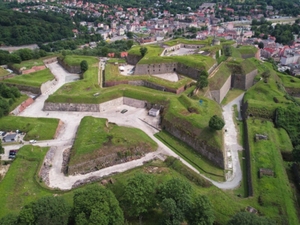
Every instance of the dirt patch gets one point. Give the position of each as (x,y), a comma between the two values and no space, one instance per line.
(3,170)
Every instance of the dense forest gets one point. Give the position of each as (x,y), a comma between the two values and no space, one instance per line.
(24,28)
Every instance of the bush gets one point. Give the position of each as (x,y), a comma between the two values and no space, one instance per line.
(216,123)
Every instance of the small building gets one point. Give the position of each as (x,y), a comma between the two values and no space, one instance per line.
(153,112)
(10,138)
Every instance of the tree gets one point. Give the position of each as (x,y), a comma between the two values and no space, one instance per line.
(174,194)
(96,205)
(200,212)
(129,35)
(216,123)
(227,50)
(261,45)
(202,81)
(9,219)
(84,66)
(296,153)
(143,51)
(138,195)
(46,211)
(245,218)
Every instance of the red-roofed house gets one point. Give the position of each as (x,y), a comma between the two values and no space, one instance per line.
(111,54)
(123,54)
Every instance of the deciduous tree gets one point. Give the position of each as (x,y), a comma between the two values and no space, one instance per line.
(216,123)
(138,195)
(96,205)
(245,218)
(143,51)
(84,66)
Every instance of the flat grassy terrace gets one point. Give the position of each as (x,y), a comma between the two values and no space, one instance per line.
(218,80)
(195,61)
(3,72)
(35,79)
(112,74)
(188,41)
(98,138)
(29,63)
(204,166)
(75,60)
(35,128)
(152,50)
(247,50)
(273,195)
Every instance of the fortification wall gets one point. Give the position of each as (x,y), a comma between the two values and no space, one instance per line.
(134,102)
(133,59)
(50,106)
(188,71)
(112,103)
(250,78)
(46,86)
(50,60)
(218,95)
(157,68)
(243,82)
(70,69)
(34,90)
(215,155)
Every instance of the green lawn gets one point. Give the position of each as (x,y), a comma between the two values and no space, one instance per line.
(35,128)
(247,50)
(35,79)
(112,74)
(29,63)
(187,41)
(93,136)
(273,194)
(203,165)
(75,60)
(152,50)
(21,185)
(118,60)
(3,72)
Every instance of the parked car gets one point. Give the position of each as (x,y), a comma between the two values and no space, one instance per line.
(32,141)
(12,154)
(124,111)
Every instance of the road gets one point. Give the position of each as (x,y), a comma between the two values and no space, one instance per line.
(133,118)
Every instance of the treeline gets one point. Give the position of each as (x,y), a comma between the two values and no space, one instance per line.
(172,202)
(8,96)
(282,32)
(102,48)
(20,55)
(23,28)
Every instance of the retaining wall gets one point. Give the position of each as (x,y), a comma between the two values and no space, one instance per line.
(215,155)
(47,85)
(34,90)
(50,106)
(70,69)
(218,95)
(133,59)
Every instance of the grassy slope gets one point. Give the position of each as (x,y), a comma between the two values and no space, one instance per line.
(29,63)
(35,79)
(3,72)
(187,41)
(35,128)
(112,74)
(277,200)
(289,81)
(92,134)
(21,186)
(75,60)
(218,80)
(18,102)
(179,113)
(247,50)
(203,165)
(152,50)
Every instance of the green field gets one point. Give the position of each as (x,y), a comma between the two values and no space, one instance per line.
(3,72)
(29,63)
(187,41)
(203,165)
(35,128)
(247,50)
(35,79)
(75,60)
(21,185)
(152,50)
(273,194)
(112,74)
(94,137)
(195,61)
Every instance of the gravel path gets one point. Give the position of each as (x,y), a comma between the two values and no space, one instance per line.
(133,118)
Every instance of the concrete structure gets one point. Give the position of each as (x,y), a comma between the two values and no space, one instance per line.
(153,112)
(218,95)
(10,138)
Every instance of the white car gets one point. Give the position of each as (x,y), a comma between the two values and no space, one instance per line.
(32,141)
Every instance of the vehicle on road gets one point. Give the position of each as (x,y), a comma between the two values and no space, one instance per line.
(32,141)
(124,111)
(12,154)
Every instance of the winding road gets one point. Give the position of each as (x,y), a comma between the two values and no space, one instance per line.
(133,118)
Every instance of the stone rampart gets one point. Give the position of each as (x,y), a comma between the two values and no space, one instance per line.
(34,90)
(112,103)
(134,102)
(50,106)
(218,95)
(50,60)
(47,85)
(70,69)
(133,59)
(188,136)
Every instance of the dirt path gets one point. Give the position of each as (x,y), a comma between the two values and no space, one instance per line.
(133,118)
